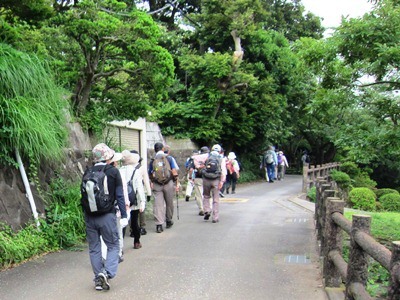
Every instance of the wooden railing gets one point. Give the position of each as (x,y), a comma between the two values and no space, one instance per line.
(330,223)
(311,173)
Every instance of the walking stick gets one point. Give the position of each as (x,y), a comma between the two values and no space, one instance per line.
(177,205)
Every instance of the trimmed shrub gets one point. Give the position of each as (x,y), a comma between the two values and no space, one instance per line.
(363,180)
(363,198)
(350,168)
(390,202)
(342,179)
(380,192)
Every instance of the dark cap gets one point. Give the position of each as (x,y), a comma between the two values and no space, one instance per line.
(204,149)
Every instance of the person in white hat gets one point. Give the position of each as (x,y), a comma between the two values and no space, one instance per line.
(104,223)
(232,167)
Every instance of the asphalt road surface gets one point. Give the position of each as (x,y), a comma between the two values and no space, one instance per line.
(263,248)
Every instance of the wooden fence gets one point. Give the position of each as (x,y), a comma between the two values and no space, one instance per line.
(330,223)
(311,173)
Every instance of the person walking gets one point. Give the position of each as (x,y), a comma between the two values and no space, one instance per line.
(282,165)
(131,174)
(163,174)
(232,167)
(147,189)
(190,180)
(270,161)
(195,175)
(100,216)
(214,175)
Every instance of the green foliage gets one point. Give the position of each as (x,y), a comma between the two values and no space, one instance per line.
(363,180)
(16,247)
(390,202)
(363,198)
(65,225)
(32,108)
(380,192)
(312,194)
(342,179)
(350,168)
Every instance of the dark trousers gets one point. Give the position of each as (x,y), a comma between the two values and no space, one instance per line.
(135,225)
(231,180)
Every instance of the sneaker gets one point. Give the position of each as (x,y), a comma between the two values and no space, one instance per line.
(207,215)
(187,198)
(98,284)
(104,281)
(137,245)
(143,231)
(233,192)
(121,259)
(159,228)
(169,224)
(221,195)
(215,221)
(201,213)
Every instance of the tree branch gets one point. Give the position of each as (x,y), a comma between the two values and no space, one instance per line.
(380,82)
(112,72)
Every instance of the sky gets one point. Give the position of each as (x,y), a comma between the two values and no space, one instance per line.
(332,11)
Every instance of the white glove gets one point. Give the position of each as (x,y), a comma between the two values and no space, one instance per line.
(123,222)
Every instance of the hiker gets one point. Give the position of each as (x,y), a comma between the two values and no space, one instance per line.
(131,174)
(164,180)
(305,159)
(121,230)
(196,177)
(224,161)
(190,182)
(100,215)
(214,175)
(282,165)
(232,167)
(147,189)
(270,160)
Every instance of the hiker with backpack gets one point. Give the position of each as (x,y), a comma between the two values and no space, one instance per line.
(282,165)
(101,189)
(164,177)
(232,167)
(190,176)
(270,161)
(195,174)
(214,175)
(135,189)
(147,190)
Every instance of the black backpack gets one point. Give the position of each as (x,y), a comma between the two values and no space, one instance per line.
(212,169)
(94,191)
(131,191)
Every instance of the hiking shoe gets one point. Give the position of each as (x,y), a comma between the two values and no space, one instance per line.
(207,215)
(201,213)
(215,221)
(159,228)
(233,192)
(137,245)
(143,231)
(98,284)
(120,259)
(169,224)
(187,198)
(104,281)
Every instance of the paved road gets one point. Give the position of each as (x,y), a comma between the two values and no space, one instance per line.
(263,248)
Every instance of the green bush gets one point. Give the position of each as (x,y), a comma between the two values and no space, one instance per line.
(350,168)
(312,194)
(363,198)
(380,192)
(363,180)
(390,202)
(342,179)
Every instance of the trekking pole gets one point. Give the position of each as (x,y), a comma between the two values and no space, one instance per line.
(177,205)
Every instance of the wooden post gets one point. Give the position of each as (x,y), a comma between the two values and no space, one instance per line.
(305,178)
(327,195)
(332,241)
(394,286)
(318,200)
(357,269)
